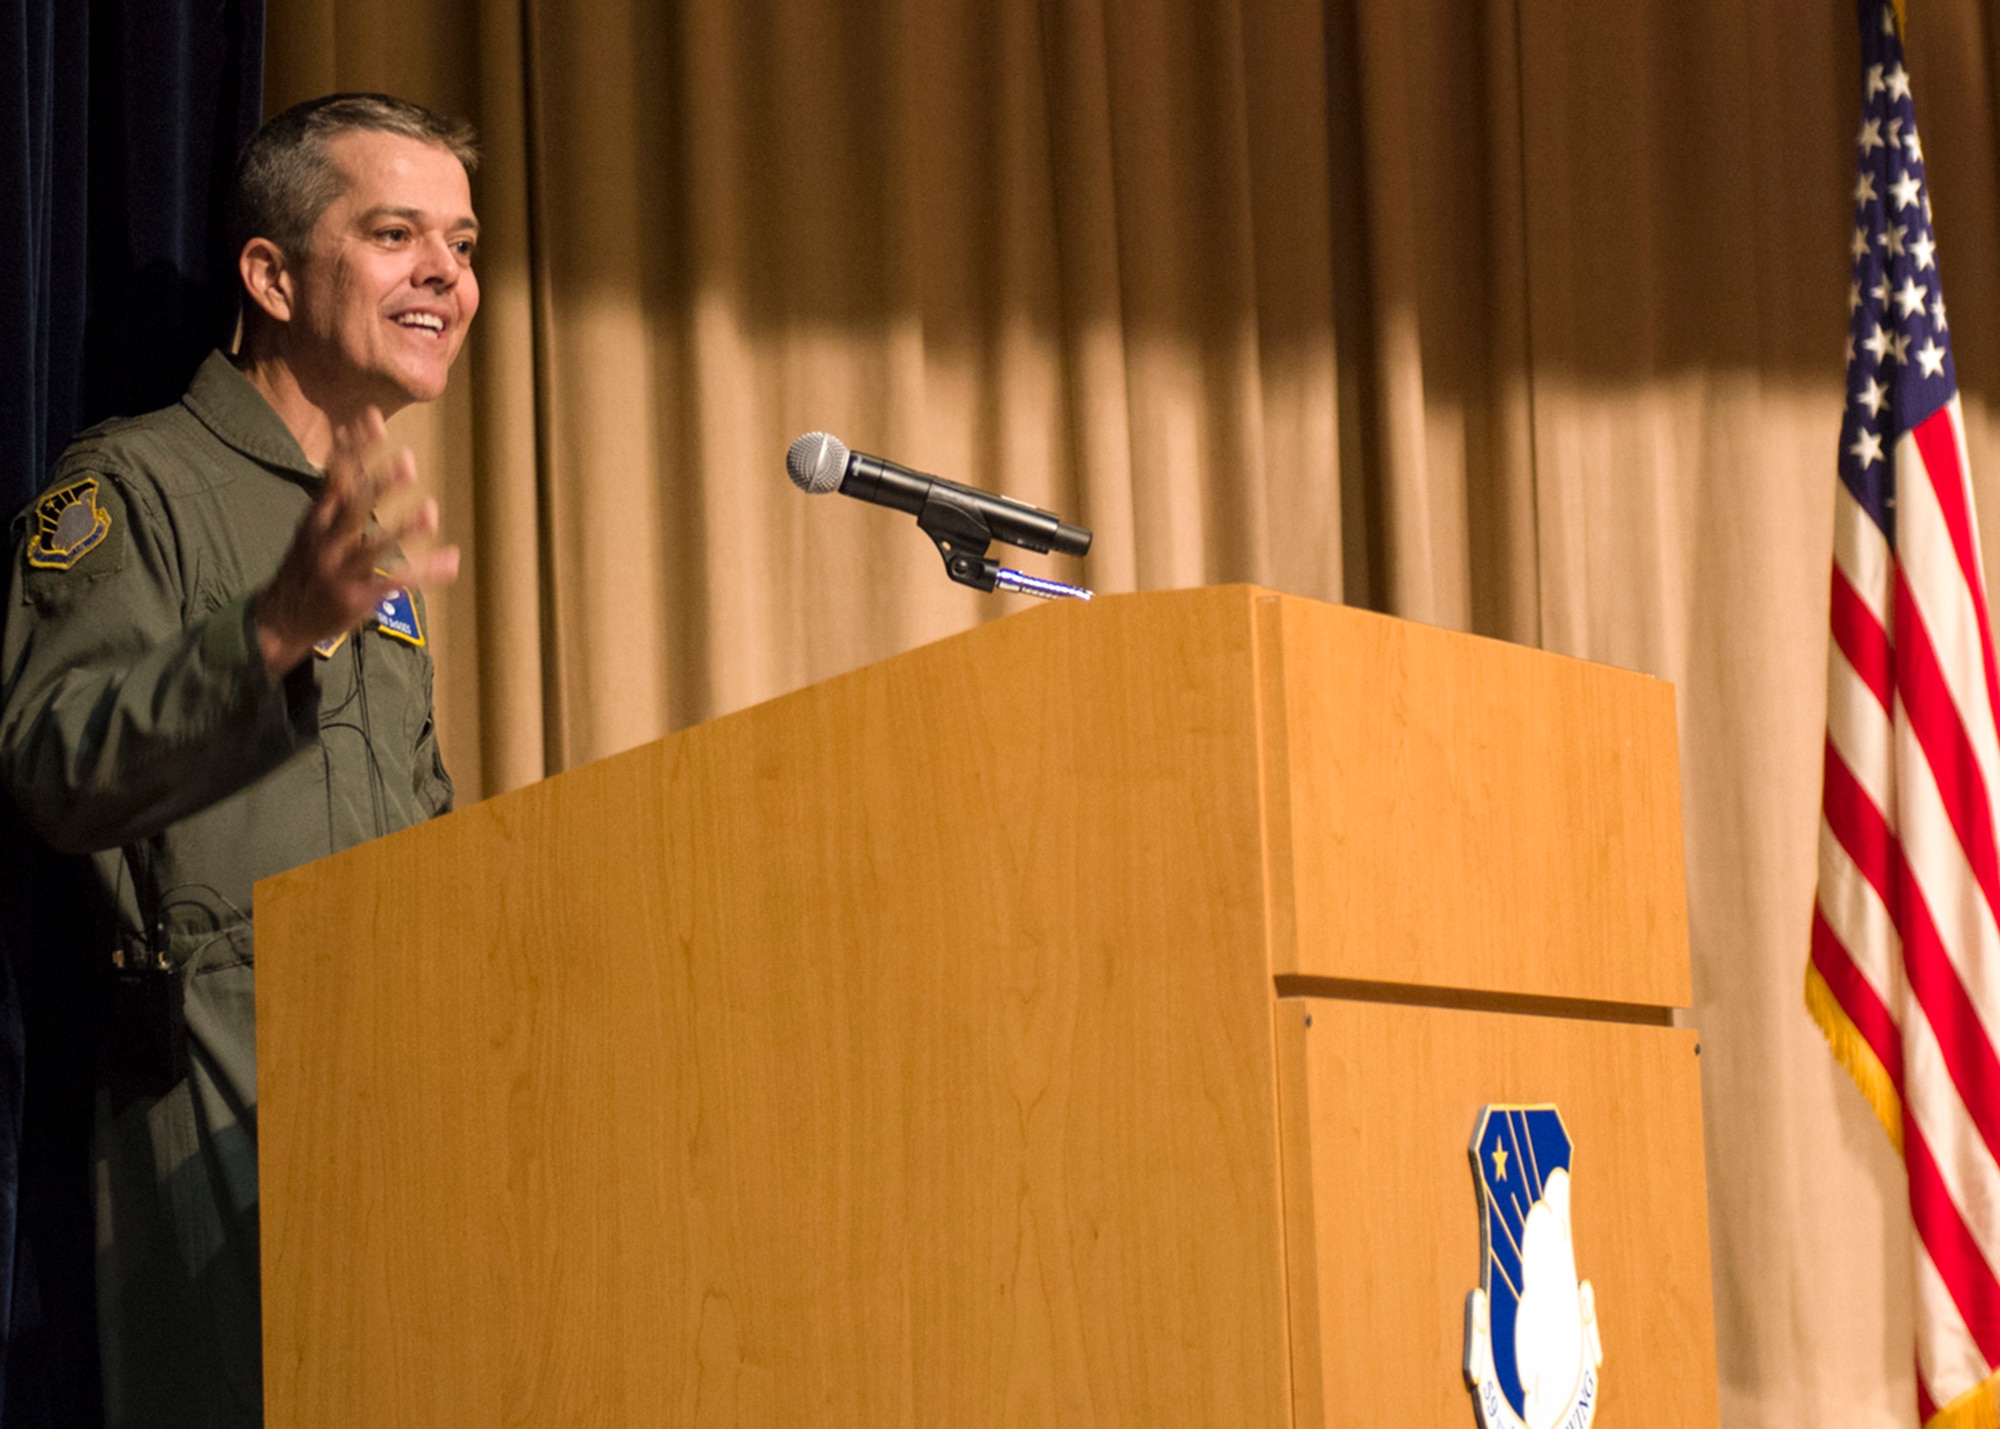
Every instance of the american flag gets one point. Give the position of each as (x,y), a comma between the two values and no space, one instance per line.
(1904,976)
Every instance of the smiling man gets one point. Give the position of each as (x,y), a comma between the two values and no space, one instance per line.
(217,668)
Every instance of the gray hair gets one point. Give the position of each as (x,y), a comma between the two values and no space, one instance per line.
(285,177)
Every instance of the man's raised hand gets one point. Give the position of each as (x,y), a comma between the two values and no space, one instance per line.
(333,576)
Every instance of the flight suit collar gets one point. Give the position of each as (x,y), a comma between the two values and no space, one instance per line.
(229,405)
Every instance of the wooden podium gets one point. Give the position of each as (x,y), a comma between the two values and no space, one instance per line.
(1080,1021)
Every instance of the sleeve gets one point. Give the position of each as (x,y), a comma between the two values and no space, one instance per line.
(121,714)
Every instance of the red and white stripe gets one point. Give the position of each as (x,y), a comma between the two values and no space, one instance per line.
(1906,932)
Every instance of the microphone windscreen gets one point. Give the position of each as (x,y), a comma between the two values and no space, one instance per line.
(817,463)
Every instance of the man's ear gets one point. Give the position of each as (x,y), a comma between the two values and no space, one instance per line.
(268,281)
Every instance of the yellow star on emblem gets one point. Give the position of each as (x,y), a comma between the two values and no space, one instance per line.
(1499,1163)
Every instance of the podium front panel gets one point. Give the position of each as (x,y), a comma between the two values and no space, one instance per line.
(1381,1103)
(1461,813)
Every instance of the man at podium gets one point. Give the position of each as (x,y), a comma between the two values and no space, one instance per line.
(218,670)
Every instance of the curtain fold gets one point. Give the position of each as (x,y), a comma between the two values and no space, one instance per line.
(1522,317)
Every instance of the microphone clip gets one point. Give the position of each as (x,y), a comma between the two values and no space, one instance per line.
(962,535)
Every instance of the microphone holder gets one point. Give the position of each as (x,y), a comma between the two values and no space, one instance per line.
(962,536)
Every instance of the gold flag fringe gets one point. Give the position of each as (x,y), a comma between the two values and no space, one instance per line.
(1852,1051)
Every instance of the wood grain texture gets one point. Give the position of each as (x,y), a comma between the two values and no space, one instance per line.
(903,1051)
(898,1052)
(1389,1098)
(1463,813)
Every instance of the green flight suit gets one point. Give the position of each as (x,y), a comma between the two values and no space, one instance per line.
(138,726)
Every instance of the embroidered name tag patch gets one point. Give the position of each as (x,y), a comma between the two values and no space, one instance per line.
(397,616)
(69,525)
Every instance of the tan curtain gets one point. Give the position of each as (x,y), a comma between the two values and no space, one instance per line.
(1521,316)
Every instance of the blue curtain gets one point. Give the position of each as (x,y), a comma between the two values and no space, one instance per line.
(119,124)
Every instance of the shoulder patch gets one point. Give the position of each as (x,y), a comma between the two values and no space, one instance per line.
(69,525)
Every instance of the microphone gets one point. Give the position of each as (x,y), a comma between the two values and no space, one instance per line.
(819,462)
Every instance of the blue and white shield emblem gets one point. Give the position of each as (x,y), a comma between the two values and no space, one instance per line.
(1531,1345)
